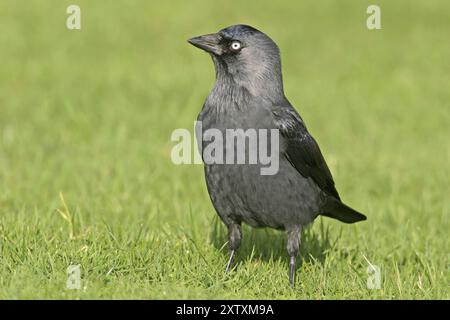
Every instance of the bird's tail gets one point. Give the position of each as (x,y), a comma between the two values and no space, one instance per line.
(337,210)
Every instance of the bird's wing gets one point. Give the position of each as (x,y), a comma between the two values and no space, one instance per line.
(301,150)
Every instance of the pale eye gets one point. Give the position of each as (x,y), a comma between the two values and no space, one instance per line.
(235,45)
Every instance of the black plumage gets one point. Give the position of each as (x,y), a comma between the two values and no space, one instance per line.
(248,94)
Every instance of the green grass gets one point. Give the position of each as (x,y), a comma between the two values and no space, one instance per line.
(86,118)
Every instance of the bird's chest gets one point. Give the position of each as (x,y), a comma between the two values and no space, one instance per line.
(231,134)
(233,142)
(236,116)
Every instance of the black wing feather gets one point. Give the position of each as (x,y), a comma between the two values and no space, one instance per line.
(302,151)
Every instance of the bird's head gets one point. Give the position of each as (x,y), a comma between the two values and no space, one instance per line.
(246,56)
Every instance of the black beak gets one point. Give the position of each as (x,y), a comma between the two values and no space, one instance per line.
(208,42)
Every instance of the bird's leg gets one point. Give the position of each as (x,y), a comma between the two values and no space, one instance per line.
(234,240)
(230,261)
(293,244)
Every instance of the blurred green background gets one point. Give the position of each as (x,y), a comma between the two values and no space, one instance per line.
(85,123)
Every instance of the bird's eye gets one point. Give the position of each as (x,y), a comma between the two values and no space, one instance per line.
(235,45)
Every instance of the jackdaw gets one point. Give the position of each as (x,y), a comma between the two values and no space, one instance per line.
(248,94)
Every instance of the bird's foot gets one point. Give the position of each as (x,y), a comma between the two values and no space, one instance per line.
(230,262)
(292,271)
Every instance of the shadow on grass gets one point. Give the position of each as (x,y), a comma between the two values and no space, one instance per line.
(268,244)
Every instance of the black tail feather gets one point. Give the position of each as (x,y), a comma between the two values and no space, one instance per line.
(337,210)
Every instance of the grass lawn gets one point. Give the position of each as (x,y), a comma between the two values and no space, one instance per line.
(86,176)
